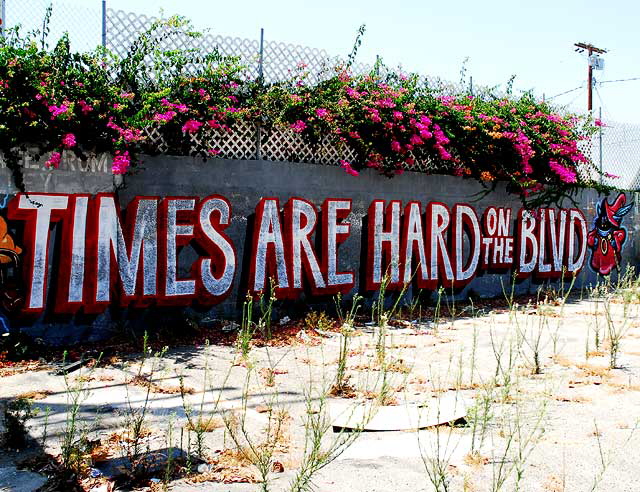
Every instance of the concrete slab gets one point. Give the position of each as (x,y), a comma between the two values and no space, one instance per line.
(448,408)
(14,480)
(3,427)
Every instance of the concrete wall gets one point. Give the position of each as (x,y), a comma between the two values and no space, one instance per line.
(244,183)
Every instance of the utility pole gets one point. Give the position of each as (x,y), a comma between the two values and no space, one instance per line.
(591,49)
(3,20)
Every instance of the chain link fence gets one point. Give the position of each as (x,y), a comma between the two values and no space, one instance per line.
(615,149)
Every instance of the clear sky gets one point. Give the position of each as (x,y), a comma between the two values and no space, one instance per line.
(532,40)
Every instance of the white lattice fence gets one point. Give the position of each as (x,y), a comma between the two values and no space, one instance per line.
(83,23)
(277,144)
(280,60)
(123,28)
(285,145)
(239,143)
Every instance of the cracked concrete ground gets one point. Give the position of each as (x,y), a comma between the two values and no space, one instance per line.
(570,427)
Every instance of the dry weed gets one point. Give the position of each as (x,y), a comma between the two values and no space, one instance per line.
(553,484)
(475,459)
(205,425)
(34,395)
(143,381)
(572,399)
(594,370)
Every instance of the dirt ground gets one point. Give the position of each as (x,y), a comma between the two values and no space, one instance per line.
(543,409)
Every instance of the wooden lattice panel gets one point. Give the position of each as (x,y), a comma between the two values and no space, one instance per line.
(239,143)
(154,139)
(282,144)
(333,152)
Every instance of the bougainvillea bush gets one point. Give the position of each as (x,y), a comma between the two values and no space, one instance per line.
(55,100)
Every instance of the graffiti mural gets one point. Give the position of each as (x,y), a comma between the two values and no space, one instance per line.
(607,237)
(11,297)
(62,254)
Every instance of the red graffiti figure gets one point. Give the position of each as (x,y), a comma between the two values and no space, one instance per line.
(607,236)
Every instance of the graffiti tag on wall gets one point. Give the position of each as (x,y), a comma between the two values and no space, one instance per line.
(607,237)
(131,256)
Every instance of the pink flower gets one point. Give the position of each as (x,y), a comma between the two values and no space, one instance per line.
(69,140)
(298,126)
(164,117)
(397,115)
(386,103)
(354,135)
(344,76)
(395,146)
(598,122)
(191,126)
(182,108)
(444,154)
(84,107)
(441,138)
(353,93)
(130,135)
(322,113)
(611,176)
(121,162)
(214,151)
(54,160)
(58,110)
(566,175)
(347,168)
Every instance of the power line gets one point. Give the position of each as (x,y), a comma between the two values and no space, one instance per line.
(567,92)
(570,103)
(619,80)
(601,102)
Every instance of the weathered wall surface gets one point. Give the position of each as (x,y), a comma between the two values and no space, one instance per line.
(245,183)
